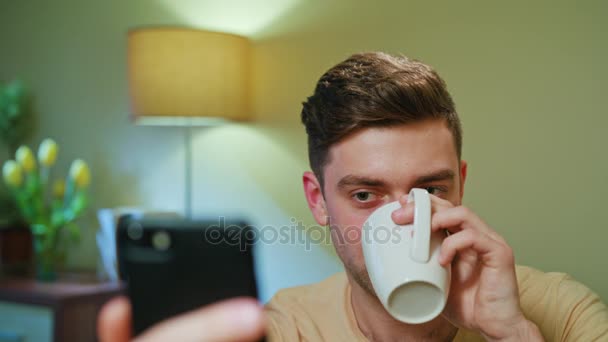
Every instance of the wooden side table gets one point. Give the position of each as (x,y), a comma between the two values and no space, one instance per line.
(65,310)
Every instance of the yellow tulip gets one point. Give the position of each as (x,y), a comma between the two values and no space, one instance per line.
(79,172)
(12,174)
(58,188)
(47,152)
(25,158)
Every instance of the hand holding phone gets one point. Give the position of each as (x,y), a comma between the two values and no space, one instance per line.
(176,266)
(231,320)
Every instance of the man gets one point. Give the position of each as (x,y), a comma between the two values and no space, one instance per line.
(378,126)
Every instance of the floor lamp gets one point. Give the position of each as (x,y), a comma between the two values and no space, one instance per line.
(189,78)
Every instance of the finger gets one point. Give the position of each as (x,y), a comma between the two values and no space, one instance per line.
(491,252)
(458,218)
(405,214)
(233,320)
(114,321)
(439,203)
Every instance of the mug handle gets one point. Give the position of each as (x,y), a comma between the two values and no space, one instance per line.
(421,239)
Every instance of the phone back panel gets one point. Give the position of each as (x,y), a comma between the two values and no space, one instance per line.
(176,266)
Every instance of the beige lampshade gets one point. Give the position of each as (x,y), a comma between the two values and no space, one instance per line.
(180,75)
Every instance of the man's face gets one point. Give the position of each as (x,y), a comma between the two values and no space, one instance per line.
(375,166)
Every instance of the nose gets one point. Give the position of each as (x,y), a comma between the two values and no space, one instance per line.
(398,195)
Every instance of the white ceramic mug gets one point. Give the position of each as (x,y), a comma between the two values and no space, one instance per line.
(403,262)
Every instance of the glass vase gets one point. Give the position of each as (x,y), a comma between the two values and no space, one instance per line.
(49,254)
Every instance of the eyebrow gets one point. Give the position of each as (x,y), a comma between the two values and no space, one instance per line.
(353,180)
(440,175)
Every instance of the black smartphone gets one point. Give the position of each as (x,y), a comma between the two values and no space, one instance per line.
(173,266)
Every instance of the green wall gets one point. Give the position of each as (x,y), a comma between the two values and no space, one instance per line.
(528,79)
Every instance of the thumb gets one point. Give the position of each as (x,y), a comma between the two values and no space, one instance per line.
(234,320)
(114,321)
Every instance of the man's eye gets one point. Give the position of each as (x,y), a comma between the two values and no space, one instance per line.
(434,190)
(363,196)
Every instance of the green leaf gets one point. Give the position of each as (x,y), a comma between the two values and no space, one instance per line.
(15,90)
(68,215)
(31,183)
(56,205)
(69,190)
(57,218)
(12,110)
(39,229)
(79,202)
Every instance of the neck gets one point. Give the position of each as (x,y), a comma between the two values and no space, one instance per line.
(378,325)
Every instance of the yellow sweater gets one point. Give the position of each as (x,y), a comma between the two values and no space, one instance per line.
(562,308)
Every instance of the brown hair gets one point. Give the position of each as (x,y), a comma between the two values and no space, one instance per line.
(373,90)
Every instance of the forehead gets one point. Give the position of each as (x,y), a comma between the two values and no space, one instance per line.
(394,152)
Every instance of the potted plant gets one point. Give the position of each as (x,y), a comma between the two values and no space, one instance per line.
(49,209)
(15,238)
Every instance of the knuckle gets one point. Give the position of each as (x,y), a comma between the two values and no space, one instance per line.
(507,253)
(501,239)
(463,236)
(464,211)
(470,235)
(446,202)
(459,211)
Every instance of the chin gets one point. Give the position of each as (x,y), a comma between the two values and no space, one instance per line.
(361,277)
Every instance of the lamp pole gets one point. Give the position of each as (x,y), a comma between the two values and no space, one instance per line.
(188,172)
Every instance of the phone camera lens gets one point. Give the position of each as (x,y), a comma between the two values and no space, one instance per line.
(161,241)
(135,231)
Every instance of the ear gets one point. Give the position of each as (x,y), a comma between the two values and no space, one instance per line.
(463,177)
(314,197)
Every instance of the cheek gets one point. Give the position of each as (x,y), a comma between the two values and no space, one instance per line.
(346,221)
(344,215)
(454,198)
(346,232)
